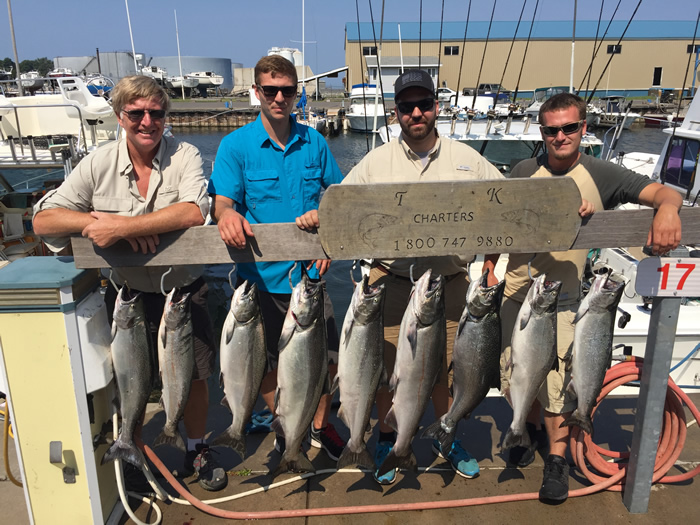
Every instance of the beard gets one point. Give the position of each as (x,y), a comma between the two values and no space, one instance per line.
(418,133)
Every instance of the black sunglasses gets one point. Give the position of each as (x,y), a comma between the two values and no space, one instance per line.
(425,104)
(137,114)
(566,129)
(271,91)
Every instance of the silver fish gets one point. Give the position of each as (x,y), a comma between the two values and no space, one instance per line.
(592,347)
(176,361)
(533,354)
(302,372)
(360,368)
(421,345)
(132,362)
(243,363)
(475,357)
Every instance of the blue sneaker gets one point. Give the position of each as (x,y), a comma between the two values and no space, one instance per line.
(460,460)
(380,454)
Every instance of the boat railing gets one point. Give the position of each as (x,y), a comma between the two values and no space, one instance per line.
(21,135)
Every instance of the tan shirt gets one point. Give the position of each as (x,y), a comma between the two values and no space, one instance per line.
(103,181)
(449,160)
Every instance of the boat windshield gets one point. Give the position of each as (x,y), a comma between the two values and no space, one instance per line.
(505,154)
(360,101)
(681,164)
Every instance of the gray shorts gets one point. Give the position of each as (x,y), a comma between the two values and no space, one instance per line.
(274,308)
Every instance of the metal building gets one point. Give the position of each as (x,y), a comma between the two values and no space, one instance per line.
(115,65)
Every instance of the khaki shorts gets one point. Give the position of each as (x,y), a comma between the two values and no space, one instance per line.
(398,290)
(553,395)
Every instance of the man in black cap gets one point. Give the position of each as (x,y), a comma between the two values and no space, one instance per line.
(420,154)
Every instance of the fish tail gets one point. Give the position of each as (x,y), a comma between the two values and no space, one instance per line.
(392,462)
(232,439)
(126,451)
(298,463)
(350,458)
(174,439)
(516,439)
(436,431)
(580,420)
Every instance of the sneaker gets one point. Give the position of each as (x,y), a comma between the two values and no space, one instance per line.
(210,475)
(380,454)
(555,483)
(460,460)
(523,456)
(328,440)
(279,444)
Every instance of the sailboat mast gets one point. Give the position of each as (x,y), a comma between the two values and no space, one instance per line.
(179,60)
(14,48)
(131,35)
(573,44)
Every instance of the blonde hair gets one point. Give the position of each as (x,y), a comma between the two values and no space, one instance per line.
(134,87)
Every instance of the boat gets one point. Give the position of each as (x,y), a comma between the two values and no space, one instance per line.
(60,72)
(155,72)
(541,95)
(5,74)
(98,84)
(207,78)
(613,113)
(365,104)
(185,81)
(37,131)
(32,81)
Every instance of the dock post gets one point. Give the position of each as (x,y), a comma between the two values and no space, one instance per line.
(652,396)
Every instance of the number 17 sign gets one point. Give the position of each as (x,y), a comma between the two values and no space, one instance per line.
(668,277)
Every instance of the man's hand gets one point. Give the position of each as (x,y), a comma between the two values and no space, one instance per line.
(144,243)
(321,264)
(308,221)
(233,228)
(106,230)
(586,209)
(665,232)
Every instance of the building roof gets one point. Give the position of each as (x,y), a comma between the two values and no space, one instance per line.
(544,30)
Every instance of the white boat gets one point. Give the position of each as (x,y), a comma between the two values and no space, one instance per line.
(613,113)
(60,72)
(207,78)
(35,130)
(155,72)
(364,105)
(32,80)
(503,143)
(187,82)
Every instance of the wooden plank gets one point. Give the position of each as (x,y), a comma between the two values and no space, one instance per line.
(203,245)
(449,218)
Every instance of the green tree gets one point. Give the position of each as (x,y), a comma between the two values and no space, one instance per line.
(26,65)
(43,66)
(7,64)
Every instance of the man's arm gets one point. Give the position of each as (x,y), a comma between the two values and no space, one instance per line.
(490,261)
(233,227)
(665,232)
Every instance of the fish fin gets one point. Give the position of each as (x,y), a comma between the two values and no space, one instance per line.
(343,417)
(300,463)
(277,399)
(383,377)
(114,330)
(393,382)
(230,438)
(276,425)
(555,364)
(352,459)
(174,440)
(516,440)
(525,319)
(230,328)
(390,419)
(583,310)
(412,334)
(345,336)
(124,451)
(224,403)
(221,380)
(327,385)
(392,461)
(580,420)
(437,431)
(288,329)
(571,387)
(335,385)
(162,337)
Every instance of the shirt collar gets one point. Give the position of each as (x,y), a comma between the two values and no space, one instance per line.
(296,132)
(411,154)
(124,163)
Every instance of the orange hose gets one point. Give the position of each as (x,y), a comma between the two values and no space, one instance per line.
(582,449)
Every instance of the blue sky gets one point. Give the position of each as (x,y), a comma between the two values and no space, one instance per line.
(244,30)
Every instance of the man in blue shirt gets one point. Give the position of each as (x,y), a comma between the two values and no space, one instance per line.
(273,170)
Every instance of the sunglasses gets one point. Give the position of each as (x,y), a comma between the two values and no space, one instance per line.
(566,129)
(137,114)
(271,91)
(425,104)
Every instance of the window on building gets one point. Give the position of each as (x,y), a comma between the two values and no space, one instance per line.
(451,50)
(431,71)
(614,49)
(656,81)
(692,49)
(369,51)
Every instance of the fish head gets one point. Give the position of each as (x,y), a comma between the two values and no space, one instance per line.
(482,298)
(128,308)
(306,303)
(543,295)
(367,301)
(177,308)
(244,303)
(429,297)
(605,292)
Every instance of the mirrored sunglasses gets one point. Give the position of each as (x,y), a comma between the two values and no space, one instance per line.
(425,104)
(271,91)
(137,114)
(566,129)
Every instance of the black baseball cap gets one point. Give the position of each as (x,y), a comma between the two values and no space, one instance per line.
(413,78)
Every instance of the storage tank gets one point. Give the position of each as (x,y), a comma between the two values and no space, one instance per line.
(283,52)
(298,58)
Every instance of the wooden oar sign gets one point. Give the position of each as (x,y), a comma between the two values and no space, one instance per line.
(449,218)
